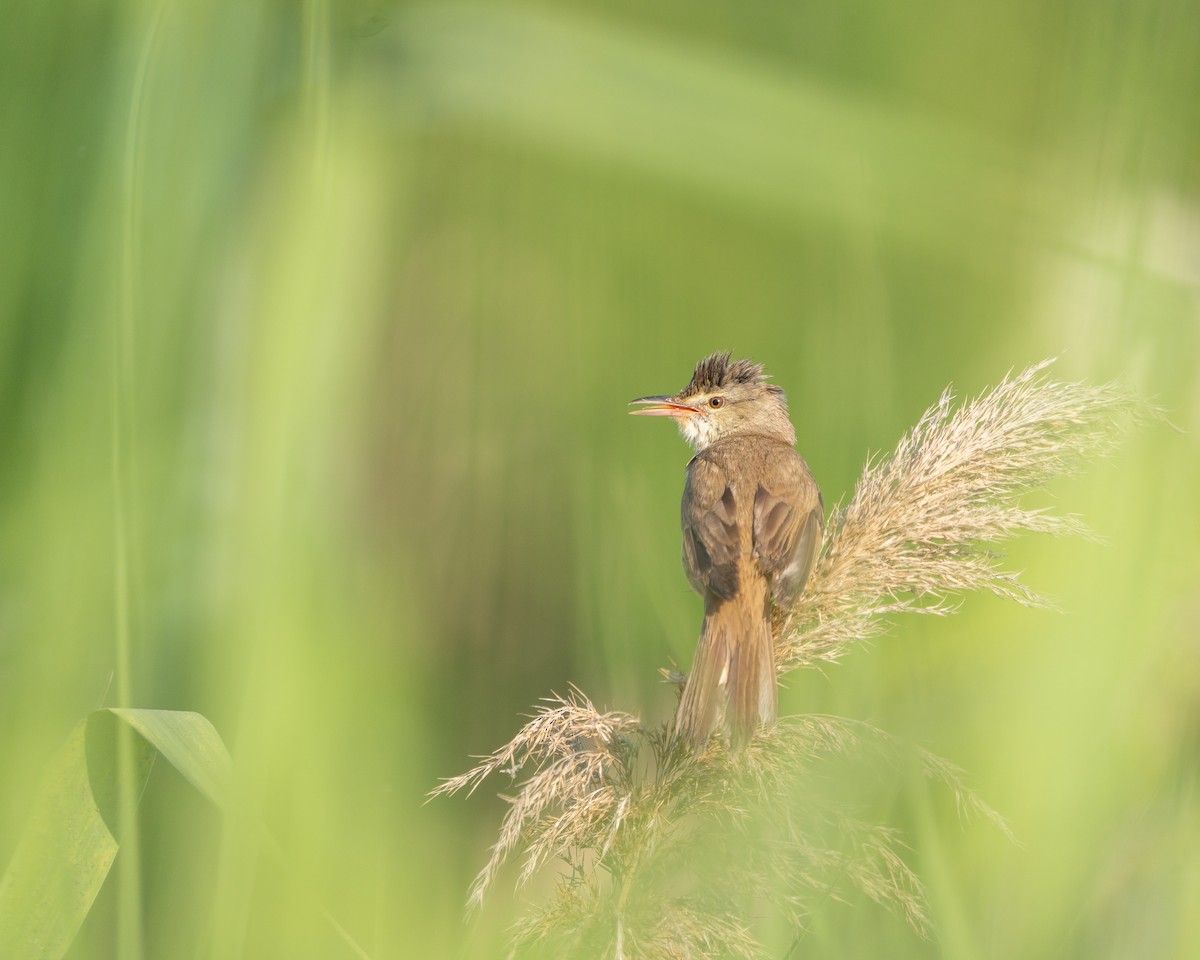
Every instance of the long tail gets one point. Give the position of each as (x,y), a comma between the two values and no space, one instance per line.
(733,677)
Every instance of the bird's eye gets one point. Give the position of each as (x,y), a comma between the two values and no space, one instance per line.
(716,402)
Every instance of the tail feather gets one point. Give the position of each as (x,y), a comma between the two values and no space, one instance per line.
(732,682)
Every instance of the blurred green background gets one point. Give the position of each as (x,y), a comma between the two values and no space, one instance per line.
(324,318)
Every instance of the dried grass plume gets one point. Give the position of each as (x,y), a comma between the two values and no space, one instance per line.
(922,524)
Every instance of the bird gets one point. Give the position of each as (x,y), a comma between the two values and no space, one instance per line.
(753,522)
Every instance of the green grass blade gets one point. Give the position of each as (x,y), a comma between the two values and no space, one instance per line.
(69,845)
(65,853)
(772,139)
(190,744)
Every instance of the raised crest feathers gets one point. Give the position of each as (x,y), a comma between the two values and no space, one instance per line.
(719,372)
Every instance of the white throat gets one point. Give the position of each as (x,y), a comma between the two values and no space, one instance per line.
(699,431)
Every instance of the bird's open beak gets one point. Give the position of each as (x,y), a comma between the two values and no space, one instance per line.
(662,407)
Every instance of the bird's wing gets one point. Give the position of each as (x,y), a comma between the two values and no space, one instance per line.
(711,540)
(789,523)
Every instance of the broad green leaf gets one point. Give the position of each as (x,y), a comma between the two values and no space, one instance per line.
(68,846)
(190,744)
(770,138)
(64,854)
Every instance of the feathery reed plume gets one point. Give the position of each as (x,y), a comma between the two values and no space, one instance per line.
(918,529)
(568,747)
(666,851)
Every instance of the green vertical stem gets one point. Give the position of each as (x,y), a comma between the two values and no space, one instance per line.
(316,73)
(129,899)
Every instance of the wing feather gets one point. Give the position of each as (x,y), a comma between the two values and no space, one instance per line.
(711,536)
(789,523)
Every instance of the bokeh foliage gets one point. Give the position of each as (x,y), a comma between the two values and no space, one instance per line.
(352,296)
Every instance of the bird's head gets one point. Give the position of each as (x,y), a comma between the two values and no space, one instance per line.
(725,398)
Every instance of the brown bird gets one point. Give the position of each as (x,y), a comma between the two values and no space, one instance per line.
(753,520)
